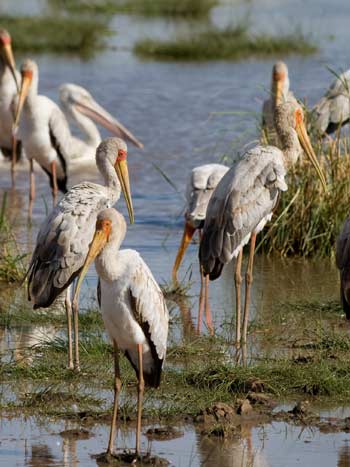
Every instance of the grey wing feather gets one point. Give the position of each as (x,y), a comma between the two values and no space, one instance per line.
(333,108)
(63,241)
(343,246)
(202,182)
(246,195)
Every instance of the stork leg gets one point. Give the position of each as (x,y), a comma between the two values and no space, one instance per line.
(68,305)
(185,241)
(14,161)
(117,388)
(248,285)
(76,335)
(208,317)
(238,282)
(31,187)
(201,301)
(140,389)
(54,182)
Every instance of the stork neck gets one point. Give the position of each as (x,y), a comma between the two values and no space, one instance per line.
(290,146)
(92,136)
(33,91)
(110,177)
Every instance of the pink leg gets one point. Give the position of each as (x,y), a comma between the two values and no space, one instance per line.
(32,187)
(248,285)
(208,317)
(117,388)
(238,282)
(55,187)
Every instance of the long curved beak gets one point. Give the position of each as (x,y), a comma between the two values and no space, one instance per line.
(10,62)
(26,82)
(96,246)
(306,145)
(101,116)
(121,168)
(185,241)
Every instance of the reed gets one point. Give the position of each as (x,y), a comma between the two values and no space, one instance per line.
(169,8)
(12,266)
(308,219)
(233,43)
(55,34)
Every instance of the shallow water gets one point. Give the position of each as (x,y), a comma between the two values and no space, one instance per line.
(185,115)
(38,442)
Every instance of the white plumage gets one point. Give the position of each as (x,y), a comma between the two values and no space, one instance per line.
(133,308)
(64,237)
(200,186)
(246,197)
(80,107)
(9,79)
(333,109)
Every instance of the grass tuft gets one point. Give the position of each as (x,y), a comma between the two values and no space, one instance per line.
(12,268)
(308,219)
(56,34)
(169,8)
(233,43)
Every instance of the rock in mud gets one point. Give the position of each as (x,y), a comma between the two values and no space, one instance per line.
(244,407)
(163,433)
(78,433)
(125,458)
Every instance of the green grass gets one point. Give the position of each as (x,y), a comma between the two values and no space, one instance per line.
(12,268)
(56,34)
(233,43)
(169,8)
(308,219)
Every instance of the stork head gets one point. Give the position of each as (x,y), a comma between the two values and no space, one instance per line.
(113,151)
(7,54)
(75,98)
(29,72)
(290,126)
(280,82)
(110,227)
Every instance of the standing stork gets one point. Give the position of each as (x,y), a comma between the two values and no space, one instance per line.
(64,238)
(245,199)
(9,79)
(44,132)
(133,309)
(343,264)
(279,93)
(333,109)
(200,186)
(80,107)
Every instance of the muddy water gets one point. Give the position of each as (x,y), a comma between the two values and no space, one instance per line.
(33,442)
(185,115)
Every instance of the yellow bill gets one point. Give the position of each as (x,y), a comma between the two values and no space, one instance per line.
(26,82)
(96,246)
(306,145)
(121,168)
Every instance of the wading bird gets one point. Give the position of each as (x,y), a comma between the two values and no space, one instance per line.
(245,199)
(44,132)
(133,309)
(333,109)
(279,93)
(80,107)
(64,238)
(200,186)
(9,79)
(343,264)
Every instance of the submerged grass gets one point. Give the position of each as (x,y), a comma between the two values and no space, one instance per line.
(56,34)
(170,8)
(233,43)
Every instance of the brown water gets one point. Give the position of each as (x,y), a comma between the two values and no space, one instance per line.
(179,110)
